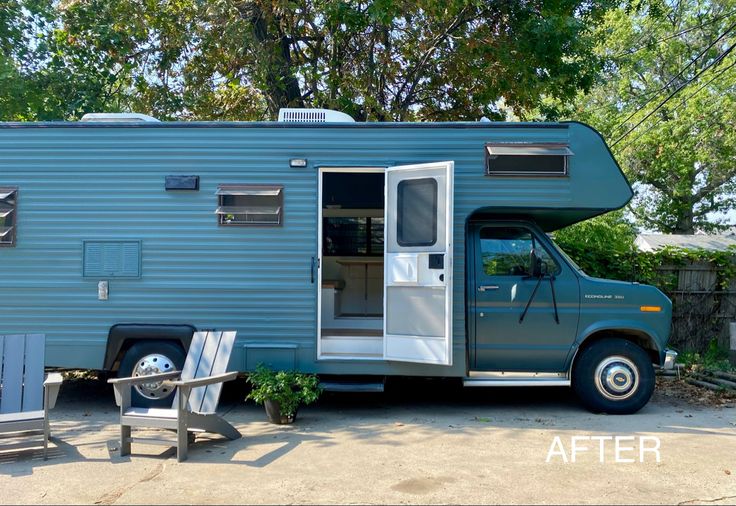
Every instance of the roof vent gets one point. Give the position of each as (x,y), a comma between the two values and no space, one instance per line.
(118,117)
(313,116)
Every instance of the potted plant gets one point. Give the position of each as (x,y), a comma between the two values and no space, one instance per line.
(282,392)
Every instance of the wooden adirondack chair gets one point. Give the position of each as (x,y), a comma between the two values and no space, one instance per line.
(198,391)
(25,397)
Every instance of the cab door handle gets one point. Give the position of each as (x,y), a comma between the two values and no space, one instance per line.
(484,288)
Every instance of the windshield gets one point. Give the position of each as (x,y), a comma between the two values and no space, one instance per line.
(567,257)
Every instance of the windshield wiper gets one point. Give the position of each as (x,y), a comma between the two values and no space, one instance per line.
(534,293)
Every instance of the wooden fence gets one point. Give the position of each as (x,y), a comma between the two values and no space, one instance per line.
(701,309)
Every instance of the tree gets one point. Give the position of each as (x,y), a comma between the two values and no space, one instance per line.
(374,59)
(603,246)
(667,103)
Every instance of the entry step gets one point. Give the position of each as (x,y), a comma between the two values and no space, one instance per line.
(352,386)
(515,379)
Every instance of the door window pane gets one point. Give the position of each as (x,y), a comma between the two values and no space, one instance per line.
(352,236)
(505,252)
(416,218)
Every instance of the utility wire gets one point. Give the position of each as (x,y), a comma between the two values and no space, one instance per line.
(657,42)
(669,37)
(676,91)
(680,104)
(690,64)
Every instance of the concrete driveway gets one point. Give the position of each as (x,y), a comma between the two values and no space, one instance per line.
(420,442)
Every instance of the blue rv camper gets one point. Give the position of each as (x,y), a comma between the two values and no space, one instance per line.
(333,247)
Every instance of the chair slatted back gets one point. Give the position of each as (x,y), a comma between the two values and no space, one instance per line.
(21,372)
(209,354)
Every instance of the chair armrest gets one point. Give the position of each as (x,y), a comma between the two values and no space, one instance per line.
(144,379)
(53,378)
(207,380)
(51,387)
(122,386)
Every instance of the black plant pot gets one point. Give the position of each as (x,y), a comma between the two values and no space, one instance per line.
(273,412)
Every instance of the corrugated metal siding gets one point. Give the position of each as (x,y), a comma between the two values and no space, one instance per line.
(80,184)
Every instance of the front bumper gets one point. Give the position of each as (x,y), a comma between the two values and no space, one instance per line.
(670,357)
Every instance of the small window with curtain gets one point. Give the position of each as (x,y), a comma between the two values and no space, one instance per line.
(250,205)
(8,218)
(527,159)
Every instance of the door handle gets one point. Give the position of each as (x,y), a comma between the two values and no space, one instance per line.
(484,288)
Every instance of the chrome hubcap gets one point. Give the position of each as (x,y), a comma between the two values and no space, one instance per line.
(617,378)
(154,363)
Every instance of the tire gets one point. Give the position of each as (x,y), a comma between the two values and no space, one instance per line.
(151,357)
(613,376)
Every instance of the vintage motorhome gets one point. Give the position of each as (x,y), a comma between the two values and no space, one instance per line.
(340,248)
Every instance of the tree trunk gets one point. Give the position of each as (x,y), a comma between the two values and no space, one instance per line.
(685,223)
(282,86)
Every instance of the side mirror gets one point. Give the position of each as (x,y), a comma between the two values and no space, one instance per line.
(536,265)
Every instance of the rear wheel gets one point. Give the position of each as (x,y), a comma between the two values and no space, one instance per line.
(151,357)
(613,376)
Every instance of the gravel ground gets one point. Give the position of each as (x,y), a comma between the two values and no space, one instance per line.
(420,442)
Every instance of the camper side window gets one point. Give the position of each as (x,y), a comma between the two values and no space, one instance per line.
(527,159)
(8,219)
(250,205)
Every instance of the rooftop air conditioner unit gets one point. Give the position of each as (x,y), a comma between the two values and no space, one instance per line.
(313,116)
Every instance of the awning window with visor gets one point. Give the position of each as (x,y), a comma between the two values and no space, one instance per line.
(527,159)
(250,204)
(8,211)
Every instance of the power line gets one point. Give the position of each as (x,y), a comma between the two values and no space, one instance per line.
(669,37)
(690,64)
(663,102)
(680,104)
(659,41)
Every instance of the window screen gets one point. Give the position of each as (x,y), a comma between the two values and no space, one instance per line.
(416,218)
(527,159)
(250,205)
(8,219)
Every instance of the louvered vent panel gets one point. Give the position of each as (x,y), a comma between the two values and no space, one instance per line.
(112,259)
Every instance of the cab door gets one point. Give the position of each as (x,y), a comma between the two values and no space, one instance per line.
(418,264)
(502,340)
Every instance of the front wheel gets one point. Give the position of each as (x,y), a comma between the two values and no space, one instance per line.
(613,376)
(152,357)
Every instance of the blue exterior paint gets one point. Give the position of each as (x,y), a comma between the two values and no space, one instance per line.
(86,182)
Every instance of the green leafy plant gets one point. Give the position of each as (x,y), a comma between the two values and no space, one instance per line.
(288,388)
(714,358)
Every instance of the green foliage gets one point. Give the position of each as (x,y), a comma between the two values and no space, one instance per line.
(680,158)
(232,59)
(288,388)
(604,247)
(714,358)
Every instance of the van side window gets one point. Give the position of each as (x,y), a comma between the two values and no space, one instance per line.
(250,204)
(416,218)
(505,251)
(8,218)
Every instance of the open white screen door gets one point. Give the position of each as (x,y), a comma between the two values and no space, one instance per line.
(417,296)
